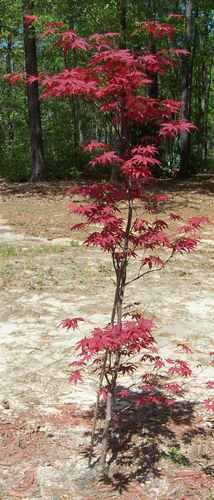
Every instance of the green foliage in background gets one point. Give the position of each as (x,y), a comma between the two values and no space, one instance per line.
(66,124)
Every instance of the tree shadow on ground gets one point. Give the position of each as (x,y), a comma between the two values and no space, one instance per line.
(141,437)
(40,189)
(202,184)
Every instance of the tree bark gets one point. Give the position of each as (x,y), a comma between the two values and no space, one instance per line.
(9,69)
(72,61)
(185,143)
(153,89)
(39,172)
(123,18)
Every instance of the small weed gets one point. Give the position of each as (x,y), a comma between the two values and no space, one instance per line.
(176,456)
(75,243)
(105,270)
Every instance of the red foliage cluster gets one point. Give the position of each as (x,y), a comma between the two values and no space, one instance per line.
(107,158)
(128,337)
(71,323)
(194,223)
(70,40)
(171,129)
(69,82)
(159,30)
(179,367)
(52,28)
(29,19)
(209,404)
(14,78)
(116,79)
(94,146)
(154,400)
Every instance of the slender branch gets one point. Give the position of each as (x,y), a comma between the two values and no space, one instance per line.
(107,380)
(150,270)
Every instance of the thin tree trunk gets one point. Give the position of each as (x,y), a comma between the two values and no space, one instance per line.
(205,109)
(74,10)
(153,89)
(117,312)
(207,101)
(106,431)
(39,172)
(9,69)
(186,93)
(122,6)
(123,20)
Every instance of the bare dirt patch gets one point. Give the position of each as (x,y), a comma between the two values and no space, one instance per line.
(41,210)
(44,422)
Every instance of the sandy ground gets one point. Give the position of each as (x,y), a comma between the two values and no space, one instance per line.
(44,422)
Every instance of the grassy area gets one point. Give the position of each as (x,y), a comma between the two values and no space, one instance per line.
(45,266)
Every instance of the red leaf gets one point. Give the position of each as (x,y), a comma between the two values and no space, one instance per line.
(174,216)
(210,384)
(183,245)
(70,323)
(159,30)
(173,387)
(75,377)
(78,227)
(154,400)
(171,129)
(153,261)
(32,79)
(28,20)
(185,347)
(70,40)
(158,198)
(179,367)
(94,145)
(14,78)
(127,368)
(181,52)
(194,223)
(107,158)
(119,56)
(124,393)
(209,404)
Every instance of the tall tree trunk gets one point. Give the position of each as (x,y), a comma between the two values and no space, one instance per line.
(122,6)
(123,18)
(205,84)
(207,103)
(74,11)
(38,163)
(153,89)
(186,92)
(9,69)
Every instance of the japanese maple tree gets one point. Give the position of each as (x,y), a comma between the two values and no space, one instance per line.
(116,80)
(125,211)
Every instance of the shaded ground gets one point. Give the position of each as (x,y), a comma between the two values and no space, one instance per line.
(41,209)
(44,422)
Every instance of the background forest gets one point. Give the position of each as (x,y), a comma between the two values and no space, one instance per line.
(65,124)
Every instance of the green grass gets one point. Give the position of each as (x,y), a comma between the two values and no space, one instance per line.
(44,266)
(7,250)
(176,456)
